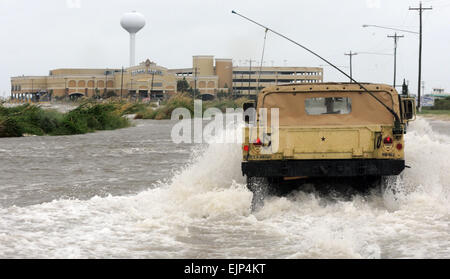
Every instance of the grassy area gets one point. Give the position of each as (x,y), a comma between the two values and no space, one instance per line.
(434,112)
(441,108)
(92,116)
(88,117)
(184,101)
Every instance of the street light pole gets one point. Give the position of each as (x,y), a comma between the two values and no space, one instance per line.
(389,28)
(395,37)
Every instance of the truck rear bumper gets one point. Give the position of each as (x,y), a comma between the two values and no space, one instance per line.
(323,168)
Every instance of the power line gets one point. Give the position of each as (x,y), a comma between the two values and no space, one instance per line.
(374,53)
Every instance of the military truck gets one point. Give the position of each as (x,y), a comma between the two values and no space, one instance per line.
(324,130)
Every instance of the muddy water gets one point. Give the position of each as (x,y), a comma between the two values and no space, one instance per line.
(132,193)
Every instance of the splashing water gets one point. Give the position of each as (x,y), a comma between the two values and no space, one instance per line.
(204,211)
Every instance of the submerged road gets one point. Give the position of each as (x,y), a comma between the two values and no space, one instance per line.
(132,193)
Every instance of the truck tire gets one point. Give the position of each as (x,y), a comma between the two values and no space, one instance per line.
(259,186)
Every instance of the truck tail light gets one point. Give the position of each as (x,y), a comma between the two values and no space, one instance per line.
(399,146)
(258,142)
(246,148)
(388,140)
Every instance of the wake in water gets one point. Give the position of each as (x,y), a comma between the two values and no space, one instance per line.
(204,211)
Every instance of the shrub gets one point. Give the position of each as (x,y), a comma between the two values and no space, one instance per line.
(441,104)
(9,128)
(88,117)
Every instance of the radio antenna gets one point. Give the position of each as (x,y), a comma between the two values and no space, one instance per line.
(397,119)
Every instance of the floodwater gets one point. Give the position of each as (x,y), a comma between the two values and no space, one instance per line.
(132,193)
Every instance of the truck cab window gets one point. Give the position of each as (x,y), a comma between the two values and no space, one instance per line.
(334,105)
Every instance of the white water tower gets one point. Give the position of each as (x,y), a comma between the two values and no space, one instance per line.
(132,22)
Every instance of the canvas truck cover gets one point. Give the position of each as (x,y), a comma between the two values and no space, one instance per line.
(296,104)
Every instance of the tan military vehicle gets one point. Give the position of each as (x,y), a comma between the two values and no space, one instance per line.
(325,130)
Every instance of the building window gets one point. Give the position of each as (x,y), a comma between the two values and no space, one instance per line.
(157,84)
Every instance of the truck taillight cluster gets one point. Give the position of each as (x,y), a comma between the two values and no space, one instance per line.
(258,142)
(388,140)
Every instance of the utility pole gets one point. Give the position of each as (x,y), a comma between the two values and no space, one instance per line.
(350,55)
(130,91)
(66,90)
(106,82)
(121,85)
(195,82)
(420,9)
(93,87)
(395,37)
(32,88)
(151,87)
(250,74)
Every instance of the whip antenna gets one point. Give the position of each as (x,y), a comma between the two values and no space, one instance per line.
(262,58)
(397,119)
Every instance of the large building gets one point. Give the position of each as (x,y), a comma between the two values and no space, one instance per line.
(246,80)
(208,75)
(211,78)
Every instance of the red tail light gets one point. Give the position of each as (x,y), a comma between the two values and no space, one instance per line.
(246,148)
(388,140)
(258,142)
(399,146)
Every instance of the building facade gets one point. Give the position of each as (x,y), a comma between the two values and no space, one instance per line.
(246,80)
(208,75)
(144,80)
(211,78)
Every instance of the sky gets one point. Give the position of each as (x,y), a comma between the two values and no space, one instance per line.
(37,36)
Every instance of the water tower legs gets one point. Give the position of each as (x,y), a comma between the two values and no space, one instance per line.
(132,48)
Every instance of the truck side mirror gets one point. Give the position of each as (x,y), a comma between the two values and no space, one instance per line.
(409,106)
(249,112)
